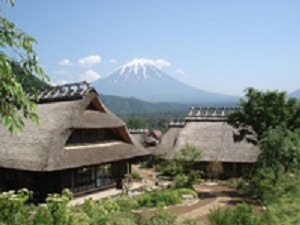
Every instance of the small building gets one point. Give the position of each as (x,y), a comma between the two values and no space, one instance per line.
(146,138)
(207,129)
(79,144)
(139,135)
(157,134)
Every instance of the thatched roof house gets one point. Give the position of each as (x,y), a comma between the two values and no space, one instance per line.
(206,128)
(76,134)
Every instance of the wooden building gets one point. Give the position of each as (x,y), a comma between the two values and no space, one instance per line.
(207,129)
(79,144)
(146,138)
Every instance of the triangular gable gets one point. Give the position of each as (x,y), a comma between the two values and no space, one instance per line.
(96,105)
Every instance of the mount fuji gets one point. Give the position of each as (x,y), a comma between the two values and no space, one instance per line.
(142,79)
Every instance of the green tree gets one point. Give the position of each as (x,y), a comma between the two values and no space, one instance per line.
(134,123)
(262,111)
(280,151)
(16,53)
(182,163)
(187,157)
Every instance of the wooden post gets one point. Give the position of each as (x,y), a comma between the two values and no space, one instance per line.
(234,169)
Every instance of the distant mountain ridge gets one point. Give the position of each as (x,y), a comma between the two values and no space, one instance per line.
(141,79)
(295,94)
(123,105)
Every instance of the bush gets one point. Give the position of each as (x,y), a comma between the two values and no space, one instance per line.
(127,219)
(182,181)
(126,203)
(158,198)
(105,212)
(161,218)
(99,212)
(136,176)
(241,215)
(237,183)
(170,168)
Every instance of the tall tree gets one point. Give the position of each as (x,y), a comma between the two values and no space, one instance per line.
(16,52)
(262,111)
(280,151)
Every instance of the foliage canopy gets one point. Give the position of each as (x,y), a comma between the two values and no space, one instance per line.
(263,111)
(18,60)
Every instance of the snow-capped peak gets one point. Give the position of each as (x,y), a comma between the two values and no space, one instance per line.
(138,64)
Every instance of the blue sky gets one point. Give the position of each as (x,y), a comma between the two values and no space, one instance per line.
(222,46)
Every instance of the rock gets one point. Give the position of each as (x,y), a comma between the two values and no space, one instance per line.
(188,197)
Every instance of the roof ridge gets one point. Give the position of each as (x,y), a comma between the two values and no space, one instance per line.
(221,112)
(64,92)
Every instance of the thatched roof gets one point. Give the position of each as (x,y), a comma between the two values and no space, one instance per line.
(168,140)
(42,147)
(206,128)
(216,142)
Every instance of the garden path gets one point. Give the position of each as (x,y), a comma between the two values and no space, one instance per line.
(211,197)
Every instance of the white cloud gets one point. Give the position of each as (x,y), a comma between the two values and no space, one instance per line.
(65,62)
(90,76)
(113,61)
(160,63)
(181,72)
(90,60)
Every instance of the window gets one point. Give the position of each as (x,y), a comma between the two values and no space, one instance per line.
(84,179)
(104,175)
(93,136)
(88,178)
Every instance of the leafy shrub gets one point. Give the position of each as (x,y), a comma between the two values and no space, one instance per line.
(80,219)
(99,212)
(161,218)
(241,215)
(170,168)
(57,206)
(156,198)
(12,206)
(105,212)
(126,203)
(136,175)
(127,219)
(217,217)
(262,186)
(237,183)
(182,181)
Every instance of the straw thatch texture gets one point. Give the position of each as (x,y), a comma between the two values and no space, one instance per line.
(216,142)
(138,138)
(168,140)
(41,147)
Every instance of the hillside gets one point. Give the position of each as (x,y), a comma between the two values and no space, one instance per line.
(122,105)
(295,94)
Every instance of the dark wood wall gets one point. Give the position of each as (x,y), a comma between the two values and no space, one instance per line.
(42,183)
(229,170)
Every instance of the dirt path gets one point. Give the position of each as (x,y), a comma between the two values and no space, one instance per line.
(146,174)
(220,200)
(210,198)
(225,197)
